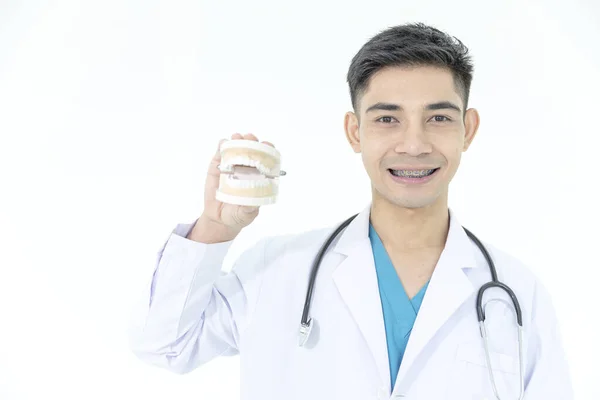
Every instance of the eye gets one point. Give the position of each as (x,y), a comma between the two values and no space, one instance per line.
(436,118)
(385,119)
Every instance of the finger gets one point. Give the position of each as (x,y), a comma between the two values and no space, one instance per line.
(221,141)
(249,209)
(217,155)
(213,169)
(237,136)
(250,136)
(269,143)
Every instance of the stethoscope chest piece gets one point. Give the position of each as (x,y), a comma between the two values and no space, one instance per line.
(304,333)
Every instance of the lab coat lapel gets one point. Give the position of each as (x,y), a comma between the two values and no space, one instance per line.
(356,280)
(448,289)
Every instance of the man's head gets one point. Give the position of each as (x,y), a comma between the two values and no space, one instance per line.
(404,83)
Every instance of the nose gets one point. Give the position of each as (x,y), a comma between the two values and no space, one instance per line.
(414,140)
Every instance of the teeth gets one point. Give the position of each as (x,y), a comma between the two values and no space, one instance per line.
(416,173)
(249,183)
(247,162)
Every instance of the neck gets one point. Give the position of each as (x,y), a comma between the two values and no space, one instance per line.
(410,229)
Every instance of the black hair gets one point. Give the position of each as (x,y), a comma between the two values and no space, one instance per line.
(410,45)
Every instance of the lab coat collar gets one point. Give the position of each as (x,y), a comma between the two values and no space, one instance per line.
(356,280)
(358,230)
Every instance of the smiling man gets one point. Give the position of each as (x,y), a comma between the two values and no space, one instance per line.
(411,126)
(397,308)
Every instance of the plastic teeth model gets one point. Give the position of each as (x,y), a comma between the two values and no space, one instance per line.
(249,173)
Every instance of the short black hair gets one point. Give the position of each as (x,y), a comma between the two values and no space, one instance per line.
(410,45)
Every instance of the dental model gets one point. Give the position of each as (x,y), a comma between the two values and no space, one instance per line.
(249,173)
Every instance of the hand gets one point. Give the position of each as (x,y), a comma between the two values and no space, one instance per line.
(229,219)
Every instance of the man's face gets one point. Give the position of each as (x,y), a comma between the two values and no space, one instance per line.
(402,133)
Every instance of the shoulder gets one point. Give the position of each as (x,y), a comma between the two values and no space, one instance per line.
(520,277)
(307,241)
(508,265)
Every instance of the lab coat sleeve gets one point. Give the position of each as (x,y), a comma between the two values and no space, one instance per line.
(191,311)
(548,377)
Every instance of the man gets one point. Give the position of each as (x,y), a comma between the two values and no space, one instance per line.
(394,301)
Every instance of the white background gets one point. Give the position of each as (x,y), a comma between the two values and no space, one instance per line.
(111,110)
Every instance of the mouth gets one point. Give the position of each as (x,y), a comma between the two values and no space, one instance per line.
(245,166)
(247,173)
(413,175)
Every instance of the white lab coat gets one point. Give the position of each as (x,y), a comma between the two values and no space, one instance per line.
(193,312)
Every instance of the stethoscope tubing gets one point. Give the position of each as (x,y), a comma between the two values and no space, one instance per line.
(306,322)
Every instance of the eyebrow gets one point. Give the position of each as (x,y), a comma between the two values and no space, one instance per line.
(441,105)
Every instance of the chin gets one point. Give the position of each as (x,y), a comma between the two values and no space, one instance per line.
(408,201)
(414,204)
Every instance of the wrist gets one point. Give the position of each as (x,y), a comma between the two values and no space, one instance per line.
(209,232)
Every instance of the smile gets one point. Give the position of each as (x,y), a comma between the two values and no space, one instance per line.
(413,175)
(419,173)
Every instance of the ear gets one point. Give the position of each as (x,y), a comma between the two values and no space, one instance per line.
(471,127)
(351,127)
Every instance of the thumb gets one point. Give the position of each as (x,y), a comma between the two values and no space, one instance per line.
(249,209)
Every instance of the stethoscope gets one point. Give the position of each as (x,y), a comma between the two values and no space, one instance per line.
(306,321)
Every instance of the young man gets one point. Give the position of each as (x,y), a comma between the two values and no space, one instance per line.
(393,309)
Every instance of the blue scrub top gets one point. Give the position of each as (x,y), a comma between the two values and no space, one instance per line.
(399,312)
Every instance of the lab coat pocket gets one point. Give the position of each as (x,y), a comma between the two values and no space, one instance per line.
(471,378)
